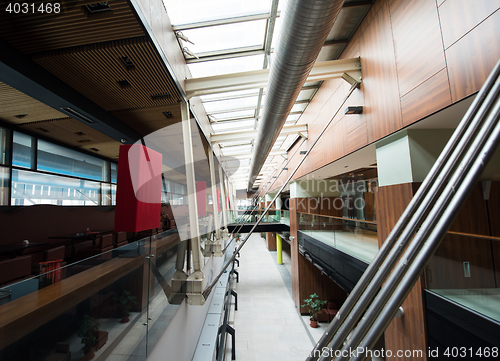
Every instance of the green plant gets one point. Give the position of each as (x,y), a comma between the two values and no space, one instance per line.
(286,235)
(125,302)
(263,234)
(88,331)
(313,305)
(238,236)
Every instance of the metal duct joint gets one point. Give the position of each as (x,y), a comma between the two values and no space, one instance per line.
(306,24)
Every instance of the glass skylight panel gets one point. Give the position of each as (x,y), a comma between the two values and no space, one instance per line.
(292,118)
(238,103)
(276,33)
(237,93)
(225,37)
(306,94)
(226,66)
(228,126)
(237,149)
(192,11)
(298,107)
(233,115)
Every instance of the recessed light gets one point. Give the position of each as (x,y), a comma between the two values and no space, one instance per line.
(160,96)
(20,116)
(97,7)
(127,62)
(124,84)
(168,114)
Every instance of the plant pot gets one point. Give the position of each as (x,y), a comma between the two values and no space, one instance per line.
(314,323)
(89,355)
(125,319)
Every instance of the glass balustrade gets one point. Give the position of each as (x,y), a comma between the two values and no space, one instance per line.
(352,236)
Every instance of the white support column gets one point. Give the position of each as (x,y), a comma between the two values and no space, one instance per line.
(191,190)
(223,196)
(214,194)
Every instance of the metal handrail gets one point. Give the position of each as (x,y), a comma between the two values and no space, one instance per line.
(411,219)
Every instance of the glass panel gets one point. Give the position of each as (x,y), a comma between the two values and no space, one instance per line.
(4,186)
(114,172)
(357,238)
(298,107)
(238,103)
(113,194)
(234,115)
(306,94)
(227,126)
(238,93)
(224,37)
(463,271)
(226,66)
(4,141)
(21,150)
(106,194)
(35,188)
(115,306)
(192,11)
(56,159)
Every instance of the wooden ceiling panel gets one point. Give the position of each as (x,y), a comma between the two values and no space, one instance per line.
(98,72)
(75,134)
(17,107)
(148,120)
(72,26)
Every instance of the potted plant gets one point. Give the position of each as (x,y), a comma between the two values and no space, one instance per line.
(89,332)
(286,235)
(313,305)
(263,235)
(125,302)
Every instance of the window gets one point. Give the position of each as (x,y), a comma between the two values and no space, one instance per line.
(22,155)
(56,159)
(30,188)
(4,146)
(4,186)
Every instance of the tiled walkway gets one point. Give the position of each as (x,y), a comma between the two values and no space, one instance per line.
(267,324)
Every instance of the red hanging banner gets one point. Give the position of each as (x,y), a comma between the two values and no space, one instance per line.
(138,193)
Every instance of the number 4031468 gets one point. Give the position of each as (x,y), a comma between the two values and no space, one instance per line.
(32,8)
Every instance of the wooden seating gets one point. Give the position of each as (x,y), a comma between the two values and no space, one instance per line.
(103,244)
(15,269)
(54,254)
(120,239)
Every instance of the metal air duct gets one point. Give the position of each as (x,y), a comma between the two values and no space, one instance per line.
(305,26)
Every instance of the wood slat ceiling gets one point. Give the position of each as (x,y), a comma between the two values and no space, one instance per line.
(17,107)
(97,70)
(74,134)
(72,26)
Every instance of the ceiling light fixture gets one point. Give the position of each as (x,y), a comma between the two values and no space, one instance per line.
(77,115)
(168,114)
(127,62)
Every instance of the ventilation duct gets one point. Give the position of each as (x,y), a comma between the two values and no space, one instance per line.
(305,27)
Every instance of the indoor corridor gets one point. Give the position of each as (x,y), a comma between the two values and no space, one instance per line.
(267,324)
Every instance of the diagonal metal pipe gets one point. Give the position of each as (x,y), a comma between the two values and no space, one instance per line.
(306,24)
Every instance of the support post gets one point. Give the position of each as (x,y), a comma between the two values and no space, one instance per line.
(195,280)
(223,196)
(279,249)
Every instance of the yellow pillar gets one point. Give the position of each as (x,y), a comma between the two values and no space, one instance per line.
(279,249)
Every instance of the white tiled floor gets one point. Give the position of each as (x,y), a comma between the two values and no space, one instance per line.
(267,324)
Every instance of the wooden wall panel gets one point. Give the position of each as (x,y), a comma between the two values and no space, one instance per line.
(458,17)
(427,98)
(471,59)
(410,330)
(493,204)
(294,251)
(271,241)
(417,42)
(356,139)
(382,107)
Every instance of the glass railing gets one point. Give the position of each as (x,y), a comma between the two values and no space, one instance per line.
(465,270)
(116,290)
(251,216)
(352,236)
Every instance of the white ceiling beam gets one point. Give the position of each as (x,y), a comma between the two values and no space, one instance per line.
(258,78)
(252,134)
(238,19)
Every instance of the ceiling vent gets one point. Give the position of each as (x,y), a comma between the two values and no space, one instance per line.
(80,133)
(77,115)
(84,141)
(43,130)
(20,116)
(124,84)
(94,149)
(127,62)
(97,8)
(160,96)
(168,114)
